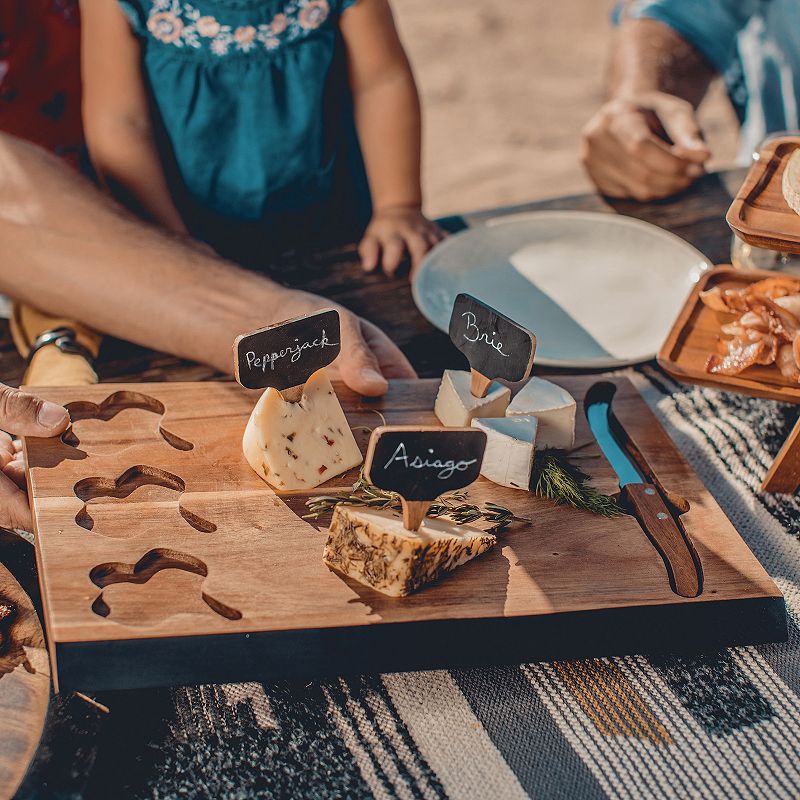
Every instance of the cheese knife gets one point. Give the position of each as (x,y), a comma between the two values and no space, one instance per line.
(642,499)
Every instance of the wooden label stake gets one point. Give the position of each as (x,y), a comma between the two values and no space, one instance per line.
(495,346)
(422,463)
(285,355)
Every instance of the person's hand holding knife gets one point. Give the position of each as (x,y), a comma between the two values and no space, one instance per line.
(22,414)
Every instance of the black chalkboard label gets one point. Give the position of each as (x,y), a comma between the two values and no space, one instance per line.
(494,345)
(286,354)
(422,463)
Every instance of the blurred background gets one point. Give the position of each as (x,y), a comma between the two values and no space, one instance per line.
(506,88)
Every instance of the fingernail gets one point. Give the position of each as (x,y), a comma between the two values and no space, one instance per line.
(369,375)
(51,414)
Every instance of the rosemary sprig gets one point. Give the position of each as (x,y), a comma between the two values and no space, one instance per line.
(556,478)
(453,506)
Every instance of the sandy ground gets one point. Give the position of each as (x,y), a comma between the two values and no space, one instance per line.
(506,87)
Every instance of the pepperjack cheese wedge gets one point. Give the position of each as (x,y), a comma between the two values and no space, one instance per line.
(553,406)
(456,406)
(372,547)
(790,183)
(300,445)
(510,449)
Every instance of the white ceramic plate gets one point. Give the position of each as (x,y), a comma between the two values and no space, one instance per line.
(598,290)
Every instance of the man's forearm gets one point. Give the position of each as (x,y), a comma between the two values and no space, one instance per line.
(69,250)
(649,56)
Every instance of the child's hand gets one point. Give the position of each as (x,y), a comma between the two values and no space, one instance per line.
(392,233)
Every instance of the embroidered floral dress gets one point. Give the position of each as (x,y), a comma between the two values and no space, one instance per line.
(257,130)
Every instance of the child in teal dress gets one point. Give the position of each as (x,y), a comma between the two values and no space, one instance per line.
(257,125)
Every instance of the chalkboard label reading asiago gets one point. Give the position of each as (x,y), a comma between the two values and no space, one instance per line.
(494,345)
(423,463)
(287,354)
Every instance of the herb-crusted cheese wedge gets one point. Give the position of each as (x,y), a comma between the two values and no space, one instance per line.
(300,445)
(372,547)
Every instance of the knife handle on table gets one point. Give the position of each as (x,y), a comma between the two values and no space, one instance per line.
(647,505)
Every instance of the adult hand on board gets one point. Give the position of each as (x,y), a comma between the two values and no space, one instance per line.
(368,357)
(22,414)
(625,156)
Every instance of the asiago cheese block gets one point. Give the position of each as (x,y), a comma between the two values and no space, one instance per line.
(372,547)
(791,181)
(456,406)
(299,445)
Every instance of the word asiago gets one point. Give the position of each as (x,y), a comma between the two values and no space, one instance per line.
(294,351)
(446,468)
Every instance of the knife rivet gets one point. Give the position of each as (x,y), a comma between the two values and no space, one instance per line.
(649,491)
(661,515)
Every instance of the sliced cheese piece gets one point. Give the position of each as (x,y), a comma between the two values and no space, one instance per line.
(456,406)
(372,547)
(553,406)
(510,448)
(300,445)
(790,182)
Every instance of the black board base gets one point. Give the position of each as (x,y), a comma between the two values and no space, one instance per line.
(398,647)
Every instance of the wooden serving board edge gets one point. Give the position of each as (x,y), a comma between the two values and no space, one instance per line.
(681,330)
(432,644)
(756,181)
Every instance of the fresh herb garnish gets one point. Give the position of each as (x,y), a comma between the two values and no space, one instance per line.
(555,478)
(454,506)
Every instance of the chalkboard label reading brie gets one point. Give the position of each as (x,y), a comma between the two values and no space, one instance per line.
(494,345)
(287,354)
(423,463)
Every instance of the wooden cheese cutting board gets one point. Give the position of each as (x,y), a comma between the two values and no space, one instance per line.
(164,559)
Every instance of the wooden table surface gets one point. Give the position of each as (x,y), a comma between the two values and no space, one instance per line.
(697,215)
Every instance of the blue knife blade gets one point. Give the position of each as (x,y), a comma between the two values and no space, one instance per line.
(598,415)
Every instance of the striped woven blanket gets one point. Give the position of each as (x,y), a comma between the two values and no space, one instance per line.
(714,726)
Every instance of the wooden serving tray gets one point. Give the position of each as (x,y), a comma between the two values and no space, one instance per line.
(759,213)
(164,559)
(696,335)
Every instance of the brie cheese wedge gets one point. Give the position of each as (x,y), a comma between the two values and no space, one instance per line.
(553,406)
(456,406)
(510,449)
(300,445)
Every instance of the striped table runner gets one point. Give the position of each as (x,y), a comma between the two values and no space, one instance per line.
(725,725)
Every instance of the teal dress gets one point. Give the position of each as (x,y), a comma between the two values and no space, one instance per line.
(254,120)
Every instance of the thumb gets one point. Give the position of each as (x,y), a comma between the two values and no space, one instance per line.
(24,414)
(358,365)
(15,513)
(680,122)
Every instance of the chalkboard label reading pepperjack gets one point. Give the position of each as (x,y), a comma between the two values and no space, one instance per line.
(495,346)
(287,354)
(422,463)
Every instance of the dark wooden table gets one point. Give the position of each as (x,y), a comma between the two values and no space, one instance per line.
(697,215)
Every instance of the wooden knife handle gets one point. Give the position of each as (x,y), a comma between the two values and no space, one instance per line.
(646,504)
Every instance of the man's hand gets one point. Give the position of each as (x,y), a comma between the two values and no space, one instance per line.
(625,156)
(22,414)
(368,356)
(394,231)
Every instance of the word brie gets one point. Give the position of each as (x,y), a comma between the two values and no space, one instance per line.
(286,355)
(495,346)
